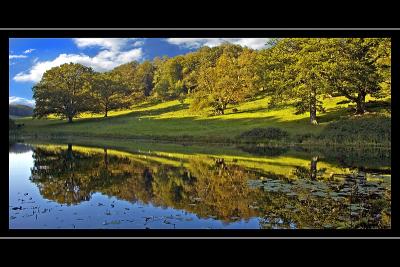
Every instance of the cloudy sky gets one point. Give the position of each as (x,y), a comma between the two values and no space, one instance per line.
(30,58)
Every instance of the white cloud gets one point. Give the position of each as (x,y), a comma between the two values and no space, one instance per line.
(114,44)
(16,56)
(110,56)
(13,100)
(254,43)
(28,51)
(138,43)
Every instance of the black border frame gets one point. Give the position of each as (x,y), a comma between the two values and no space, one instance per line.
(199,32)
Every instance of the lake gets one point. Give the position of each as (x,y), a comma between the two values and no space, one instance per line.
(77,186)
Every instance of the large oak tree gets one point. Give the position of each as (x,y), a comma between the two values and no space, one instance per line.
(64,91)
(358,67)
(294,72)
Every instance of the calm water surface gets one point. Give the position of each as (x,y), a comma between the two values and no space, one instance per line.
(70,186)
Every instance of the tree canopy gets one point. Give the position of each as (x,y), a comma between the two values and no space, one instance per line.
(297,71)
(110,93)
(64,91)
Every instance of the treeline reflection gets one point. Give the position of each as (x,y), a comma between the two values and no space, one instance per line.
(210,187)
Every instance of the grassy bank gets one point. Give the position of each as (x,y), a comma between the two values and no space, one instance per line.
(173,121)
(282,161)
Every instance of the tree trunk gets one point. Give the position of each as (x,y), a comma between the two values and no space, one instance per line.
(69,152)
(360,108)
(106,111)
(69,119)
(313,169)
(223,108)
(105,158)
(313,108)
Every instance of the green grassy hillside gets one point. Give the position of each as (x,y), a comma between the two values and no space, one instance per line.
(174,121)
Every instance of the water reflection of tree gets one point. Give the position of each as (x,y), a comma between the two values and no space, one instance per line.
(365,157)
(70,177)
(269,151)
(218,189)
(311,173)
(205,186)
(223,189)
(313,203)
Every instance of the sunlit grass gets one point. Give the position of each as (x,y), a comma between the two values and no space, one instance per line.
(174,119)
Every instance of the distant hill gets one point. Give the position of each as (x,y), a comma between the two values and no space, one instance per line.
(20,110)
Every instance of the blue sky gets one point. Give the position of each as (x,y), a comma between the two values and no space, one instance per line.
(29,58)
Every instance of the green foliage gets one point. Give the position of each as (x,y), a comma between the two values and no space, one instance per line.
(294,70)
(168,83)
(127,74)
(298,70)
(294,75)
(381,54)
(143,80)
(355,68)
(64,91)
(265,133)
(109,92)
(233,79)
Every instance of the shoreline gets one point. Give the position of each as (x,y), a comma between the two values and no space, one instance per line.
(203,141)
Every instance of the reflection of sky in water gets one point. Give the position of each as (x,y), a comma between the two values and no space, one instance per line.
(99,212)
(29,209)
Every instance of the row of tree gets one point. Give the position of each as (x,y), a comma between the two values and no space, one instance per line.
(307,69)
(297,70)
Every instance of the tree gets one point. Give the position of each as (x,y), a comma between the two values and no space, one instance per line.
(143,80)
(295,71)
(233,79)
(64,91)
(382,54)
(190,70)
(110,93)
(168,78)
(127,74)
(357,69)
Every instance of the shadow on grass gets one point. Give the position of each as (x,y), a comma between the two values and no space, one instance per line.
(137,114)
(266,108)
(147,104)
(155,112)
(336,124)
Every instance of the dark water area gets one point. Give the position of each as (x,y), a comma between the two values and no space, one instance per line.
(66,186)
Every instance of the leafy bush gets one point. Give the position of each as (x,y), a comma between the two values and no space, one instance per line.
(270,133)
(372,129)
